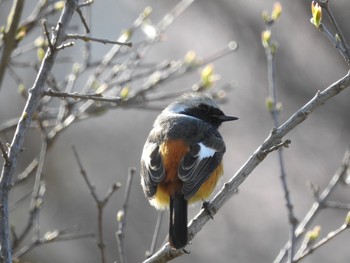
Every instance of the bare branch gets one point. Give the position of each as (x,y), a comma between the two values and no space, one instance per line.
(84,174)
(4,153)
(122,217)
(329,237)
(86,3)
(319,203)
(99,40)
(155,233)
(94,96)
(47,35)
(99,203)
(37,199)
(23,176)
(339,33)
(277,146)
(51,237)
(87,29)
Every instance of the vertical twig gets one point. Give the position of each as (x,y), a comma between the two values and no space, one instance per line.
(122,217)
(271,61)
(36,201)
(100,204)
(156,233)
(325,5)
(275,107)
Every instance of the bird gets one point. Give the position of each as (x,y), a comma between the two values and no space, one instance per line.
(181,161)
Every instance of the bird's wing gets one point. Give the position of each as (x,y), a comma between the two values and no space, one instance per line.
(200,162)
(152,169)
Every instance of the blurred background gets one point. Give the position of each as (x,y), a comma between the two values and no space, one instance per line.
(253,225)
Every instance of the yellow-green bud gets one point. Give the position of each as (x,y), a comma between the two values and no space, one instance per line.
(314,233)
(266,38)
(269,103)
(276,11)
(59,5)
(190,58)
(124,93)
(40,53)
(120,215)
(316,11)
(347,219)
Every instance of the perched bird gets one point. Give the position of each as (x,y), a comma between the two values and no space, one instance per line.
(182,159)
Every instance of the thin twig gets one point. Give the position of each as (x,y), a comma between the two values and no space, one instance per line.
(86,3)
(122,214)
(4,153)
(337,205)
(23,176)
(329,237)
(99,40)
(318,204)
(276,147)
(270,50)
(100,204)
(37,198)
(156,233)
(87,29)
(325,6)
(50,237)
(47,35)
(94,96)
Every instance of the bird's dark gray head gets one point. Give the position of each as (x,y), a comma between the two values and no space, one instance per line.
(199,106)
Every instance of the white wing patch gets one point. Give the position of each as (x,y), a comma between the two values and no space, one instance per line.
(146,153)
(205,152)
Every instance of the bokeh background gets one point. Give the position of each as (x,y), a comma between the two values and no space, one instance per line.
(253,225)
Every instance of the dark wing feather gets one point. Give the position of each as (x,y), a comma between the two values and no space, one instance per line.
(196,168)
(152,169)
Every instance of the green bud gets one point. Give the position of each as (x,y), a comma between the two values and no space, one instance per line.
(269,103)
(276,11)
(266,38)
(59,5)
(40,54)
(347,219)
(314,233)
(120,215)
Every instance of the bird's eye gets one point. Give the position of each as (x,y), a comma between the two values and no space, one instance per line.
(204,108)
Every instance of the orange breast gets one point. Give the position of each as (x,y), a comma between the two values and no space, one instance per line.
(172,153)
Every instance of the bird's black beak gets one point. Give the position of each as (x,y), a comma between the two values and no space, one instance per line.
(224,118)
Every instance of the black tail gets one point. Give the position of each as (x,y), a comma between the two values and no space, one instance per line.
(178,222)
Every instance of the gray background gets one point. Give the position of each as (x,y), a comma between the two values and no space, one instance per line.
(253,225)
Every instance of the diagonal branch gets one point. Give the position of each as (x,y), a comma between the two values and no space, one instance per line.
(165,253)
